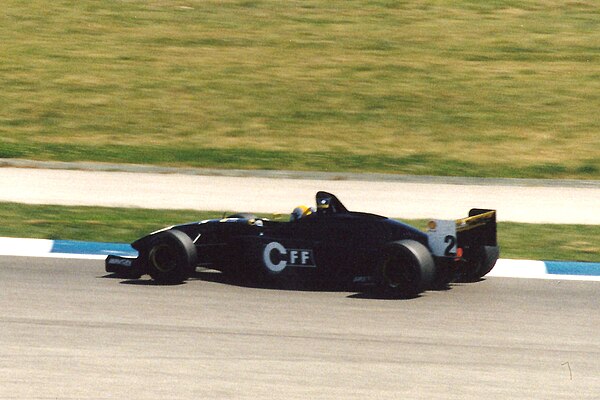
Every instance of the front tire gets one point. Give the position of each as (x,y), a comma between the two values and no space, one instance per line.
(171,257)
(406,270)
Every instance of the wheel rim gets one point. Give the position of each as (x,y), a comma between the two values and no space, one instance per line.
(399,272)
(162,258)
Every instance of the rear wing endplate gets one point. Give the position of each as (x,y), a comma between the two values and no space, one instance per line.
(446,237)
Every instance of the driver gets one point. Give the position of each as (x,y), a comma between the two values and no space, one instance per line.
(300,212)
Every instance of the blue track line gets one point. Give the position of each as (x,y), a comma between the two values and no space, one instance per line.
(572,268)
(92,248)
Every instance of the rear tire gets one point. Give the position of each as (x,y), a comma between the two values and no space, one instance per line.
(406,270)
(490,256)
(482,263)
(171,257)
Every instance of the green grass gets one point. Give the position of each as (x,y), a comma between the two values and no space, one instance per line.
(498,88)
(521,241)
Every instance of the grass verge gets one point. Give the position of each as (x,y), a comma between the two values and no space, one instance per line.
(517,240)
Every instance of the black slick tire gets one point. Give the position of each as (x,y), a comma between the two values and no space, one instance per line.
(482,263)
(489,258)
(171,257)
(407,269)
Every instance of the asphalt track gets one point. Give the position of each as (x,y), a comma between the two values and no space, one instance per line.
(69,332)
(535,201)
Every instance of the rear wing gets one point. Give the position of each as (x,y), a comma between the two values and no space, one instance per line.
(478,229)
(449,238)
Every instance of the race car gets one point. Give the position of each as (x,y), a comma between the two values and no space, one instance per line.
(326,245)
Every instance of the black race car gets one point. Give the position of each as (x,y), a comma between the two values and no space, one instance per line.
(327,246)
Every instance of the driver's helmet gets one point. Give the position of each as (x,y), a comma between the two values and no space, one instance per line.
(300,212)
